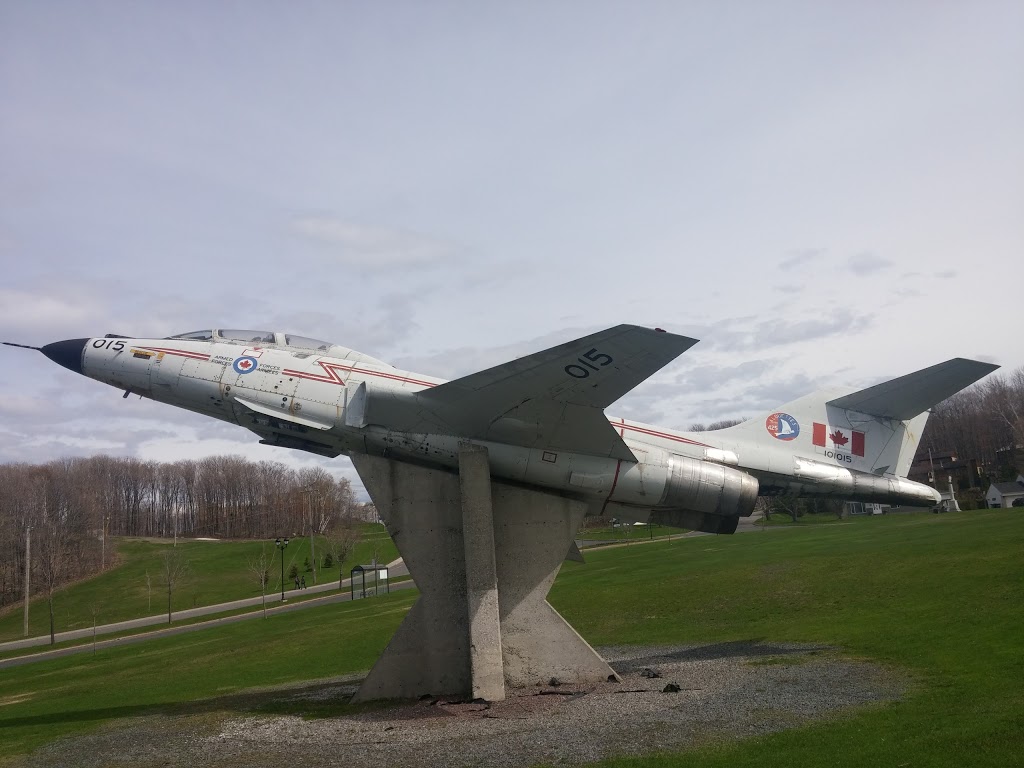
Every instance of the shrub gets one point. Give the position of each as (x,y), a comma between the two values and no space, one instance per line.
(328,561)
(293,573)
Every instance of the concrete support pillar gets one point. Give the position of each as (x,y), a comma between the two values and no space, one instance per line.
(488,681)
(429,652)
(533,532)
(484,555)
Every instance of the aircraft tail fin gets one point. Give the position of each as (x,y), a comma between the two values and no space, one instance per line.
(875,430)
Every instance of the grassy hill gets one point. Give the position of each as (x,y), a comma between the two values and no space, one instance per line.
(217,572)
(941,596)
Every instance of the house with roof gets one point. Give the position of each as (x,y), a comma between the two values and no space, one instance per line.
(935,468)
(1006,494)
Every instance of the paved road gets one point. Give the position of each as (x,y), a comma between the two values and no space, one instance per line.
(338,597)
(395,569)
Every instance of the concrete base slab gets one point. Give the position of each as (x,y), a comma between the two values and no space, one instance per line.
(449,643)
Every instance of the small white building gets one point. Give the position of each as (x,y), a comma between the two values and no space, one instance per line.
(1006,494)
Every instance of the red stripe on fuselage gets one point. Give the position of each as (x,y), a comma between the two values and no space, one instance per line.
(334,377)
(665,435)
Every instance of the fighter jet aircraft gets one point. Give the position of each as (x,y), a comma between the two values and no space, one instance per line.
(541,417)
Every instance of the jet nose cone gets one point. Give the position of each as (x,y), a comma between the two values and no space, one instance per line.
(67,353)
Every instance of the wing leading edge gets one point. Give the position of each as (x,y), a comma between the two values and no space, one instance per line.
(555,399)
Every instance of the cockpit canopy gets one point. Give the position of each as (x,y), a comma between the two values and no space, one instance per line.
(301,345)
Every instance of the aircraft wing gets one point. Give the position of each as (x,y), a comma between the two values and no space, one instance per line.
(907,396)
(555,399)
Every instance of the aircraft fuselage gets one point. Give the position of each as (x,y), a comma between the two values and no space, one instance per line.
(340,404)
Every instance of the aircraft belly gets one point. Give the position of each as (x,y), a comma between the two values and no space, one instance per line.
(577,475)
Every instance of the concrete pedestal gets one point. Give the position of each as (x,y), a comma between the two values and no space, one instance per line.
(484,555)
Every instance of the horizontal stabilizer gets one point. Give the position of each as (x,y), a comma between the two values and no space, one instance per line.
(907,396)
(555,399)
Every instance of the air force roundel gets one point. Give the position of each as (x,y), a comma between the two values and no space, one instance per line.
(245,364)
(782,426)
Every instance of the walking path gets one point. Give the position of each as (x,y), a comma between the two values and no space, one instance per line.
(395,569)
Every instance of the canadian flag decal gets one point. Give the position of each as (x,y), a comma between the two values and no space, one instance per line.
(839,439)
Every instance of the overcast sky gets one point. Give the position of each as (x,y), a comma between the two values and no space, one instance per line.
(823,193)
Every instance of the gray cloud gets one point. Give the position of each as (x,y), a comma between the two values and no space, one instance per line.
(748,333)
(801,256)
(867,263)
(374,248)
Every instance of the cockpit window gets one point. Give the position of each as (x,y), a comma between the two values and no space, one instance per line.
(306,343)
(266,337)
(194,336)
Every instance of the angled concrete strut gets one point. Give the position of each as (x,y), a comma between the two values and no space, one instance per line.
(484,555)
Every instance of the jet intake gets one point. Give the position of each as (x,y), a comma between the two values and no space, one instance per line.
(695,486)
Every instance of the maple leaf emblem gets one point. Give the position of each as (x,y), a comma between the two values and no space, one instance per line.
(838,438)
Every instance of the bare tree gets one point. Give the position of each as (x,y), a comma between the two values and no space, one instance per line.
(173,570)
(341,542)
(723,424)
(52,561)
(787,503)
(259,567)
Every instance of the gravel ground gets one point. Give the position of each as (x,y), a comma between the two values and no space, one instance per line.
(730,690)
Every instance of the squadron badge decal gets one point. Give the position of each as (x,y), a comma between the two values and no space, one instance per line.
(782,426)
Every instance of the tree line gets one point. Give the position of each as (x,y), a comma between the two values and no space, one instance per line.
(64,512)
(984,422)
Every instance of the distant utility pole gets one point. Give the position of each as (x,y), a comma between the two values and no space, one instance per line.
(28,571)
(103,543)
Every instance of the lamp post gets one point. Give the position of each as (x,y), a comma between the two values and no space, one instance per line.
(281,544)
(28,571)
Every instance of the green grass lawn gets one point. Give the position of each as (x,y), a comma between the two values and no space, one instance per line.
(218,572)
(940,596)
(195,672)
